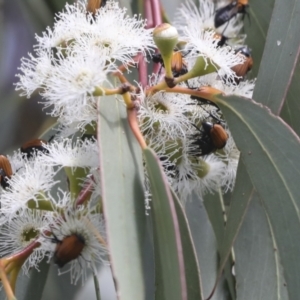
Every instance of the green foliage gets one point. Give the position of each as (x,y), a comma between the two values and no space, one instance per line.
(123,198)
(195,247)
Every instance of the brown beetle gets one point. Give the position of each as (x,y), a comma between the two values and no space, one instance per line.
(93,5)
(242,69)
(178,64)
(226,13)
(217,134)
(33,146)
(67,249)
(5,171)
(212,137)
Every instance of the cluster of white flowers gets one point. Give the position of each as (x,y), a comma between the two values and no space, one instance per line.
(35,208)
(74,58)
(168,120)
(71,63)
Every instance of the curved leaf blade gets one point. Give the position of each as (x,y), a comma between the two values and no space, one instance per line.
(283,47)
(291,108)
(271,153)
(206,247)
(214,205)
(123,198)
(258,273)
(170,276)
(239,203)
(256,28)
(192,272)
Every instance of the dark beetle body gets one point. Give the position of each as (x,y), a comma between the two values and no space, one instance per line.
(5,171)
(179,66)
(212,137)
(226,13)
(68,249)
(33,146)
(241,70)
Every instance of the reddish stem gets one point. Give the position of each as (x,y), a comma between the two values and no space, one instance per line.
(132,119)
(156,12)
(24,253)
(148,14)
(85,192)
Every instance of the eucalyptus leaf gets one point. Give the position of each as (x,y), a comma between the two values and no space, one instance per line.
(270,151)
(216,212)
(206,247)
(291,108)
(123,198)
(191,265)
(257,268)
(213,204)
(280,55)
(239,203)
(169,261)
(256,28)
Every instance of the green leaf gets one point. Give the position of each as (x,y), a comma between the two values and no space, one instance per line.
(280,55)
(189,253)
(256,28)
(271,154)
(258,273)
(239,203)
(216,212)
(291,108)
(170,272)
(206,246)
(123,198)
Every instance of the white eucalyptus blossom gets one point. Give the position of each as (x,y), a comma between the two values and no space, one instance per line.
(31,182)
(23,228)
(72,82)
(70,153)
(164,116)
(203,14)
(202,43)
(189,12)
(195,173)
(110,33)
(89,228)
(35,72)
(74,122)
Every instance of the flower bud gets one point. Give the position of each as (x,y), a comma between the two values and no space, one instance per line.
(165,37)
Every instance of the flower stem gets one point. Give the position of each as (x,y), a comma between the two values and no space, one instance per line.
(132,119)
(205,92)
(97,287)
(8,290)
(101,91)
(85,193)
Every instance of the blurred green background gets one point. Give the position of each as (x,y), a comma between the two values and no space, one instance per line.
(21,119)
